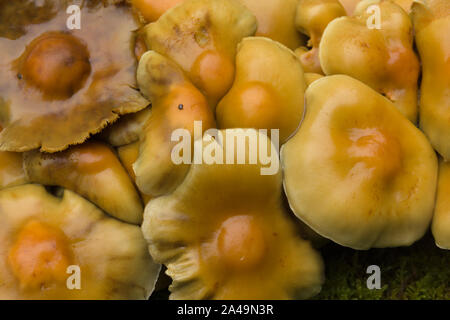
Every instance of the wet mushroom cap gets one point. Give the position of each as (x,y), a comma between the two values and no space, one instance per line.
(46,239)
(433,44)
(93,171)
(382,58)
(259,97)
(59,86)
(201,37)
(236,242)
(358,172)
(57,64)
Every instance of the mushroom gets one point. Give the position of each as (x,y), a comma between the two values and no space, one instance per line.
(276,20)
(268,89)
(223,232)
(382,58)
(93,171)
(349,5)
(358,172)
(128,155)
(176,105)
(59,86)
(151,10)
(127,129)
(201,37)
(431,23)
(11,170)
(66,248)
(310,77)
(405,4)
(311,19)
(441,220)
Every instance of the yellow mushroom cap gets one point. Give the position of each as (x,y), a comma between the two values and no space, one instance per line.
(176,104)
(59,86)
(310,77)
(311,19)
(46,239)
(201,37)
(382,58)
(276,20)
(405,4)
(441,219)
(431,21)
(93,171)
(151,10)
(349,5)
(358,172)
(128,154)
(224,234)
(259,97)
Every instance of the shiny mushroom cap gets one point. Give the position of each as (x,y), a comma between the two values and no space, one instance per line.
(223,233)
(358,172)
(382,58)
(93,171)
(441,219)
(59,86)
(276,20)
(49,242)
(201,37)
(176,106)
(431,23)
(267,91)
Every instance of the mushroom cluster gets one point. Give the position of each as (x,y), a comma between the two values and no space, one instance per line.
(212,147)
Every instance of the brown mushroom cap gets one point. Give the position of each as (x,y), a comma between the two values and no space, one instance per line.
(92,170)
(43,236)
(59,86)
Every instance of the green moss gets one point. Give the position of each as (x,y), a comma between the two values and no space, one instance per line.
(421,271)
